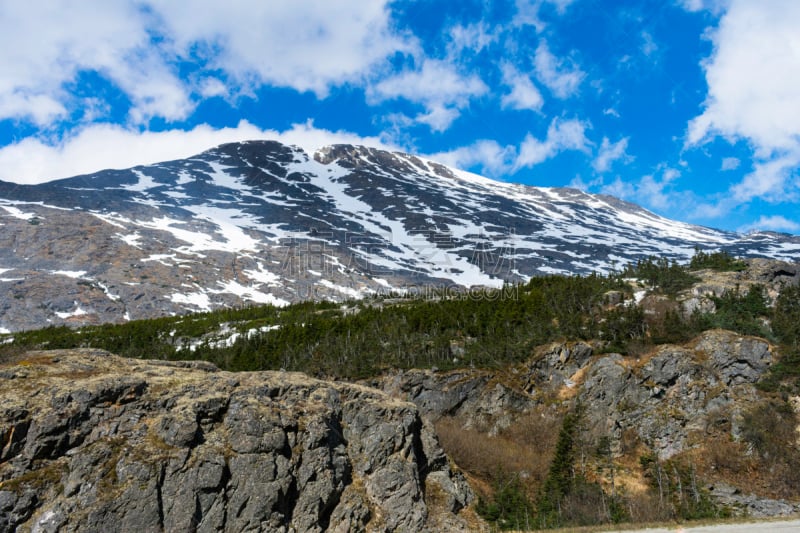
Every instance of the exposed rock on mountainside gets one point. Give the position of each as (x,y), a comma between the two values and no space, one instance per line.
(693,388)
(260,222)
(94,442)
(769,273)
(672,400)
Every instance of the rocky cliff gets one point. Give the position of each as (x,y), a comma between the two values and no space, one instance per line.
(94,442)
(686,400)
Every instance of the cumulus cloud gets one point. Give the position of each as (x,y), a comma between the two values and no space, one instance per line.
(472,37)
(437,85)
(139,47)
(562,135)
(772,223)
(651,191)
(43,47)
(753,75)
(609,153)
(102,146)
(524,94)
(558,75)
(497,160)
(774,180)
(487,154)
(308,45)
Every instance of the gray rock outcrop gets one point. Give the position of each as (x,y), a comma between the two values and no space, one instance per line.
(677,394)
(670,400)
(668,397)
(769,273)
(750,505)
(94,442)
(475,396)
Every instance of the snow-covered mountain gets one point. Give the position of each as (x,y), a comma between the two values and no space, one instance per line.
(261,222)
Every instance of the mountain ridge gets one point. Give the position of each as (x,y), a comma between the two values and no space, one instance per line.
(261,222)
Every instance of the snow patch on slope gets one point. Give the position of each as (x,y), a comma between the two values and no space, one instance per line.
(198,300)
(145,183)
(17,213)
(75,274)
(77,312)
(250,294)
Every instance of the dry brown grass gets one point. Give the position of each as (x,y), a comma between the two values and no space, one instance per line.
(722,459)
(21,357)
(525,448)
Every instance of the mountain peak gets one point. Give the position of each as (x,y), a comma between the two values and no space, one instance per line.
(263,222)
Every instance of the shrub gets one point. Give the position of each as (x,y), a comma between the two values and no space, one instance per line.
(510,507)
(743,313)
(560,479)
(721,261)
(769,428)
(661,274)
(680,494)
(786,316)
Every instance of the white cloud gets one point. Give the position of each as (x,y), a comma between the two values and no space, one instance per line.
(438,117)
(619,189)
(307,45)
(561,5)
(578,183)
(670,174)
(211,87)
(561,78)
(102,146)
(649,191)
(649,46)
(773,180)
(528,11)
(43,46)
(711,210)
(488,154)
(524,94)
(562,135)
(437,85)
(730,163)
(772,223)
(436,81)
(609,153)
(473,37)
(715,6)
(497,160)
(753,76)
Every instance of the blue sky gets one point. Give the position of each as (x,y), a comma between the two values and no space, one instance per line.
(690,108)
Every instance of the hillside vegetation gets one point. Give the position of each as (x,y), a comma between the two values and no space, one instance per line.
(450,329)
(566,480)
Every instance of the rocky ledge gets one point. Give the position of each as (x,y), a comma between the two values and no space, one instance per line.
(93,442)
